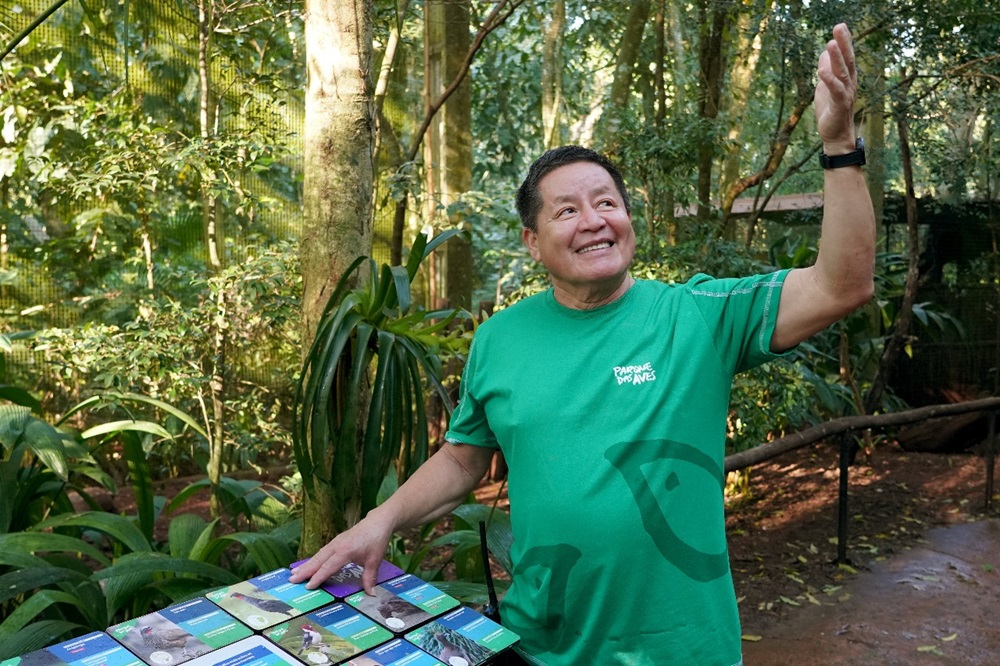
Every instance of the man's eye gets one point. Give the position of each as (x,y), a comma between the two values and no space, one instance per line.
(607,203)
(563,212)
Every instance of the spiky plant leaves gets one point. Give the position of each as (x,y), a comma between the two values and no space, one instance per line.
(360,397)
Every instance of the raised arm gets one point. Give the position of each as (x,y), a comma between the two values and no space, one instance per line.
(437,487)
(841,280)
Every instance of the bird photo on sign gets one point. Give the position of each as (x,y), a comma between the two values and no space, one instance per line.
(178,633)
(162,643)
(268,599)
(329,635)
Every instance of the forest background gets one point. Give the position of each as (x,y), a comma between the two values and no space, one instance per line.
(186,186)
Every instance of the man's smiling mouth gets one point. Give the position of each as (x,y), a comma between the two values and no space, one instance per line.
(596,246)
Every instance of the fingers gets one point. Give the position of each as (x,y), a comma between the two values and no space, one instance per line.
(841,66)
(326,562)
(370,574)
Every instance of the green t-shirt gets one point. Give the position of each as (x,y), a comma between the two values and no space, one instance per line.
(612,422)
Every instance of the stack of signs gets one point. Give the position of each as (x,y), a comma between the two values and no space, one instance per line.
(463,637)
(347,581)
(329,635)
(253,651)
(179,633)
(395,653)
(403,603)
(93,648)
(268,599)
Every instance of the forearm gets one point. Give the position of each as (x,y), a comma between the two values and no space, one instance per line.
(844,268)
(842,279)
(437,487)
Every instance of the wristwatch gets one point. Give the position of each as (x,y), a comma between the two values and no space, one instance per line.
(854,158)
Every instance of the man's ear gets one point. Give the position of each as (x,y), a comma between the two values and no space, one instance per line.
(530,238)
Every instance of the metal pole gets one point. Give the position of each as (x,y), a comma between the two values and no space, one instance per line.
(845,455)
(991,450)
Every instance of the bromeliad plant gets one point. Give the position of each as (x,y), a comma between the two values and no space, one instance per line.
(360,398)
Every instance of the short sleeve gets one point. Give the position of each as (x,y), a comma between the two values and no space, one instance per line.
(469,424)
(740,314)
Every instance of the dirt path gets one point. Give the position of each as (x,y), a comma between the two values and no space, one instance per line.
(936,603)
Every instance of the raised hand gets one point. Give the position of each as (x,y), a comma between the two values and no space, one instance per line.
(836,92)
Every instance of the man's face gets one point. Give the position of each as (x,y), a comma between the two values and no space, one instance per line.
(583,235)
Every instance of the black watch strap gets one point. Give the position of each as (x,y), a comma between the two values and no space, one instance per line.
(853,158)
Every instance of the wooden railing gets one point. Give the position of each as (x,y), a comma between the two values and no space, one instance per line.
(848,424)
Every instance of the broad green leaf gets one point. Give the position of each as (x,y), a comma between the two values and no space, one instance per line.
(34,606)
(401,285)
(159,563)
(126,425)
(13,420)
(16,583)
(36,636)
(46,443)
(183,532)
(202,550)
(186,493)
(19,396)
(267,552)
(117,527)
(142,482)
(33,542)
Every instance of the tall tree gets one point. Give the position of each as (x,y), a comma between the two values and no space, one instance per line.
(337,190)
(552,74)
(448,143)
(628,51)
(715,22)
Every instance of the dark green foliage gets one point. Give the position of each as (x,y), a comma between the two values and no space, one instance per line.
(352,419)
(64,571)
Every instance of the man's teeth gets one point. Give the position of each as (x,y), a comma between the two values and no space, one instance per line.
(589,248)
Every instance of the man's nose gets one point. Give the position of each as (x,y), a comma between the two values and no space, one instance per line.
(590,218)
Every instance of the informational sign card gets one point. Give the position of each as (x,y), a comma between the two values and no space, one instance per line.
(329,635)
(94,649)
(268,599)
(403,603)
(463,637)
(253,651)
(395,653)
(179,633)
(347,581)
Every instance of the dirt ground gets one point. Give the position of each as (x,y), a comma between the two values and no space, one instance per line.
(923,565)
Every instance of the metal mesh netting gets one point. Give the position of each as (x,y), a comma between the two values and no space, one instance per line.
(147,51)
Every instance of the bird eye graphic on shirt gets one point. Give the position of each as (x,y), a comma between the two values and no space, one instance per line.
(628,458)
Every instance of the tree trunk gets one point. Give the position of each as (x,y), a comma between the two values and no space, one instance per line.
(552,69)
(628,52)
(448,143)
(740,79)
(337,188)
(215,246)
(714,20)
(871,60)
(901,327)
(500,12)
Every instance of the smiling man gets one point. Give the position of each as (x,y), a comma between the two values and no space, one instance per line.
(608,397)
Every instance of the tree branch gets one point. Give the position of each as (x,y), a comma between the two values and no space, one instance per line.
(40,19)
(495,19)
